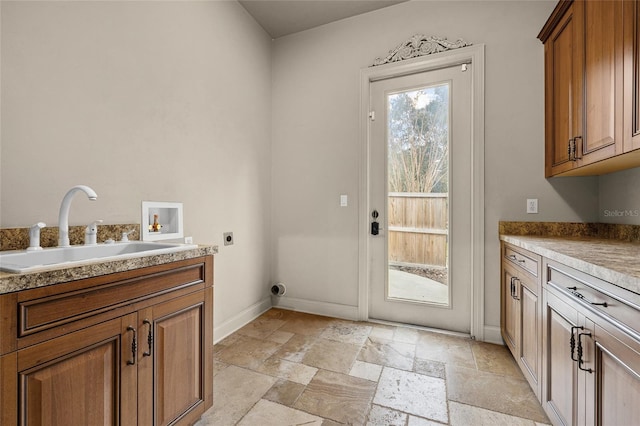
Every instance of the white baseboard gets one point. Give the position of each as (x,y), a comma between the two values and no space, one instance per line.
(243,318)
(318,308)
(492,335)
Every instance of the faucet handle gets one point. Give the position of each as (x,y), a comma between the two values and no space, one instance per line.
(34,236)
(93,227)
(91,233)
(125,236)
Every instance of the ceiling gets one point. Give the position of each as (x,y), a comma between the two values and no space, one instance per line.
(283,17)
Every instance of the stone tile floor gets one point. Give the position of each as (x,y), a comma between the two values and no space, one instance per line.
(291,368)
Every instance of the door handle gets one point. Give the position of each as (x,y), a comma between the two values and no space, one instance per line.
(375,226)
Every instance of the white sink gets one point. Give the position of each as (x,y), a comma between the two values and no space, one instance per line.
(28,261)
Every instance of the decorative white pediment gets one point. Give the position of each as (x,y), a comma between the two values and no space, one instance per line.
(420,45)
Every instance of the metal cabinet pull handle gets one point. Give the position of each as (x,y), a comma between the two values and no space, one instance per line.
(580,360)
(575,149)
(572,342)
(574,291)
(514,257)
(512,286)
(514,289)
(149,338)
(572,150)
(134,347)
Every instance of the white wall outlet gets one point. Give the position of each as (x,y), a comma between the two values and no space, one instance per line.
(344,201)
(188,240)
(532,205)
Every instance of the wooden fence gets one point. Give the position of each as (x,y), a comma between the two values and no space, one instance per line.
(418,230)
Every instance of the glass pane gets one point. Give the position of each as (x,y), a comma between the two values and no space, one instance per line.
(418,194)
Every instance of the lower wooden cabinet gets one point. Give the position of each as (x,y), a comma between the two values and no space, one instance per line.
(76,379)
(172,361)
(510,310)
(560,379)
(612,378)
(591,351)
(521,320)
(143,360)
(576,339)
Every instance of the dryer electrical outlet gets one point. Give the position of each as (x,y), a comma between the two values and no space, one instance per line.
(228,238)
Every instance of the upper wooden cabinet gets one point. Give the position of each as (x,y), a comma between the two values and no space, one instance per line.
(591,87)
(632,75)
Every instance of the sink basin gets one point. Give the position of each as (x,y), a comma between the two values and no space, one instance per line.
(28,261)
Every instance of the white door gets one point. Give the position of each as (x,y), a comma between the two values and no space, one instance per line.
(420,195)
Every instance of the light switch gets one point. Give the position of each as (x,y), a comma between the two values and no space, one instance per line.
(344,200)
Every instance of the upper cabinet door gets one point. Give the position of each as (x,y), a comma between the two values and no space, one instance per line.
(562,93)
(632,75)
(591,61)
(600,41)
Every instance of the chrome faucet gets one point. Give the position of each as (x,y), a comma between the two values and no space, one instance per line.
(63,217)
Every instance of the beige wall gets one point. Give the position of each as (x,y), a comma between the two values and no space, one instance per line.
(163,101)
(315,137)
(620,197)
(171,101)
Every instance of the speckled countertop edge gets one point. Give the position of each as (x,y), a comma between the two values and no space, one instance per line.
(10,282)
(617,262)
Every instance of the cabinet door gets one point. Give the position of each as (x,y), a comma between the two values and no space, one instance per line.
(563,80)
(600,24)
(560,392)
(585,80)
(613,386)
(175,358)
(529,347)
(509,317)
(632,75)
(81,378)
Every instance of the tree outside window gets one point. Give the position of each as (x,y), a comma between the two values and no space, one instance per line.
(418,126)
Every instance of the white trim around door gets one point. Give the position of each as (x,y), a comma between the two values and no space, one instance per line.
(475,55)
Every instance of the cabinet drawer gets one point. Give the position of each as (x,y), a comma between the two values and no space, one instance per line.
(522,259)
(616,305)
(36,314)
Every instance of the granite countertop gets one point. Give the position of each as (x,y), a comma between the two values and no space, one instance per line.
(615,261)
(10,282)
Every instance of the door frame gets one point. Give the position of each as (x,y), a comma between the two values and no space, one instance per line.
(475,55)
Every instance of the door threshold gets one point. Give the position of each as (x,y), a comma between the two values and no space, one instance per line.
(422,328)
